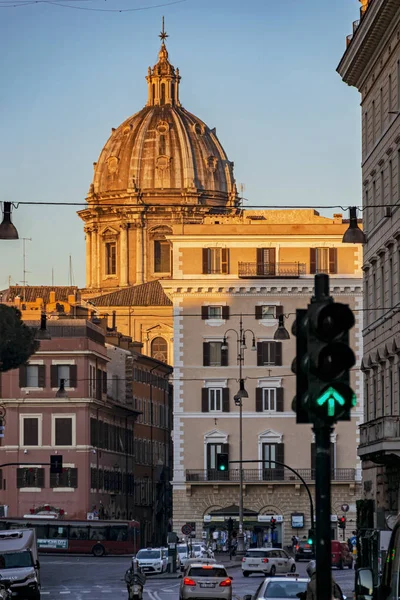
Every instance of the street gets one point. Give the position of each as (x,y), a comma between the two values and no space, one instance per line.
(86,577)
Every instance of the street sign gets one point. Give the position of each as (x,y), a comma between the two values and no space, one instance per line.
(345,507)
(186,529)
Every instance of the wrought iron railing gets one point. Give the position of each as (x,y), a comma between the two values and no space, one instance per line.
(283,269)
(260,475)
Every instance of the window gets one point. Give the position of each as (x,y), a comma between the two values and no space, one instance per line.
(32,376)
(269,399)
(269,353)
(271,453)
(215,399)
(162,256)
(63,431)
(68,478)
(266,265)
(159,349)
(366,131)
(30,431)
(382,393)
(30,477)
(268,312)
(323,260)
(66,372)
(366,399)
(382,287)
(215,312)
(215,260)
(214,355)
(111,258)
(390,408)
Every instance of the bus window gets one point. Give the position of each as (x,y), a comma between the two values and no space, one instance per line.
(98,533)
(78,532)
(56,532)
(41,532)
(118,533)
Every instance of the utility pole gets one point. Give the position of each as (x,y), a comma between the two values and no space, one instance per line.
(323,397)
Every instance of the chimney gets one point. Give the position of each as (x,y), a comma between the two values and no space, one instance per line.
(52,298)
(71,299)
(114,321)
(338,218)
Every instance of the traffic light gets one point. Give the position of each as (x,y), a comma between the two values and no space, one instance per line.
(342,522)
(300,367)
(311,537)
(56,464)
(222,461)
(273,523)
(330,357)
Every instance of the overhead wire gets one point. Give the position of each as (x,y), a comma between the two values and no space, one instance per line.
(14,4)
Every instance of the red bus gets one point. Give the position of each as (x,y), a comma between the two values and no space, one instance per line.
(84,537)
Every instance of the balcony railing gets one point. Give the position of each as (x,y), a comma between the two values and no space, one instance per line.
(264,475)
(284,269)
(378,430)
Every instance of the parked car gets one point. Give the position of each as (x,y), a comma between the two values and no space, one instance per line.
(279,588)
(153,560)
(209,581)
(341,555)
(304,550)
(268,561)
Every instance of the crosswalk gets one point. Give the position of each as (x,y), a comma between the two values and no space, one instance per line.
(76,593)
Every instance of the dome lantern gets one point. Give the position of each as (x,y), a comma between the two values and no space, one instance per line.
(163,80)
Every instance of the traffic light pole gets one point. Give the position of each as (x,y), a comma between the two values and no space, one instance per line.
(323,508)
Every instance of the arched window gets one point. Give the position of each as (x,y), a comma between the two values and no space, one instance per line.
(162,93)
(159,349)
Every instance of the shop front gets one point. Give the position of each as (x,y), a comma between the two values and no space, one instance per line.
(260,530)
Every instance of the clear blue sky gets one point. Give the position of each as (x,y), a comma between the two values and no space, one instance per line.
(263,72)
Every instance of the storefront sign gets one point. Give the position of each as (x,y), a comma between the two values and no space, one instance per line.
(56,544)
(297,520)
(267,518)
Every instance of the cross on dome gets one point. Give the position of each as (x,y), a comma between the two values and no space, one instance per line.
(163,34)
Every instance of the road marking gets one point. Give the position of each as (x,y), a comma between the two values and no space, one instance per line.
(45,593)
(66,592)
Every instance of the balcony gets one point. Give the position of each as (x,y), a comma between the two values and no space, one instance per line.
(380,436)
(275,270)
(265,475)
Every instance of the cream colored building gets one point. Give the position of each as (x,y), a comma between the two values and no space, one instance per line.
(260,265)
(371,63)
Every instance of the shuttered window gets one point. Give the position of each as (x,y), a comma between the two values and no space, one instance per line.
(162,256)
(68,478)
(269,399)
(63,431)
(214,355)
(271,469)
(30,477)
(30,431)
(66,372)
(269,353)
(215,260)
(323,260)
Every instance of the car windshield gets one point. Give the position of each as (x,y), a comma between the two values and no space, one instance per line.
(256,554)
(182,550)
(12,560)
(197,547)
(208,572)
(148,554)
(285,589)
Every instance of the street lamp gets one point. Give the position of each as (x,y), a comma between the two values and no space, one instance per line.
(238,398)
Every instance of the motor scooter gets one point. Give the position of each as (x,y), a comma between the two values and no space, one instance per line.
(135,581)
(5,589)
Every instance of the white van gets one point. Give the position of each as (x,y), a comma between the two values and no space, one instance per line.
(153,560)
(19,562)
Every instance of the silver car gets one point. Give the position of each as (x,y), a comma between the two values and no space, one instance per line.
(201,580)
(279,588)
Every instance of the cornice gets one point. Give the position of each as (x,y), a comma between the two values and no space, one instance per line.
(374,27)
(202,288)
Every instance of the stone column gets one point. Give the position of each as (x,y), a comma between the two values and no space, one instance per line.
(88,232)
(124,258)
(139,254)
(98,263)
(94,260)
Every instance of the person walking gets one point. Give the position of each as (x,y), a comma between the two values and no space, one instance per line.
(311,593)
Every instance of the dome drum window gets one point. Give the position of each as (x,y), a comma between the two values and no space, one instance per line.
(159,349)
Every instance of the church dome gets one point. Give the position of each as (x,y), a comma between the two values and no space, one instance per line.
(164,151)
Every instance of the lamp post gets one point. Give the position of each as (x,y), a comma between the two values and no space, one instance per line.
(238,398)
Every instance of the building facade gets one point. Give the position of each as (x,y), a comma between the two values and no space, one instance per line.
(256,267)
(371,63)
(112,428)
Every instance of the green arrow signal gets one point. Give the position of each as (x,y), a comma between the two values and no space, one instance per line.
(331,396)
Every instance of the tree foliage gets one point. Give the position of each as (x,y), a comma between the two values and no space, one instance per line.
(17,340)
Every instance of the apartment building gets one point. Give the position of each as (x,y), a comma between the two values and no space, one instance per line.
(255,268)
(371,63)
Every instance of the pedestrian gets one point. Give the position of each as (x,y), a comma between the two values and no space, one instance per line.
(311,593)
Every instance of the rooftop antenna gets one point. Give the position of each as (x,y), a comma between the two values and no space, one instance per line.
(242,188)
(52,276)
(24,282)
(70,272)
